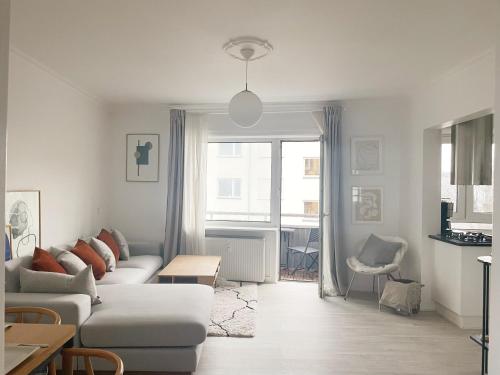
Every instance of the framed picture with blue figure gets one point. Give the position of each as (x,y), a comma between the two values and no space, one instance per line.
(142,159)
(22,216)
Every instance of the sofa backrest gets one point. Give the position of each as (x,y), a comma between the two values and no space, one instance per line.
(12,267)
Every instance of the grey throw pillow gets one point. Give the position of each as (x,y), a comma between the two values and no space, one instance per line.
(105,253)
(122,244)
(53,282)
(377,252)
(69,261)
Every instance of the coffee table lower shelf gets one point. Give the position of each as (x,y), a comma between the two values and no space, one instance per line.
(191,269)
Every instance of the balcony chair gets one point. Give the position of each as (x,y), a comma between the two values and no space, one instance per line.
(306,251)
(358,267)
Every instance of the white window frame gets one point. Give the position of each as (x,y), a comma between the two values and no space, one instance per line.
(234,153)
(275,197)
(465,202)
(311,201)
(232,196)
(310,175)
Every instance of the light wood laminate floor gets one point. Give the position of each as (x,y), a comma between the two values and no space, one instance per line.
(298,333)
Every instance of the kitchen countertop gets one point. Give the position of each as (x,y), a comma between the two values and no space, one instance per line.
(456,242)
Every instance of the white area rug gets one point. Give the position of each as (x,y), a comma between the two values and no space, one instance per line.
(235,310)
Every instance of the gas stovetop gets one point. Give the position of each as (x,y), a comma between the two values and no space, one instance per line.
(470,237)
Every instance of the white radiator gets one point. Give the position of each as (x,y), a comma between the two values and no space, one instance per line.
(243,259)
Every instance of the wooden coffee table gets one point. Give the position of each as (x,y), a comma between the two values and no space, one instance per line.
(191,269)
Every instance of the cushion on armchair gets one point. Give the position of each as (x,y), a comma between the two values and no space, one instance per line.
(377,252)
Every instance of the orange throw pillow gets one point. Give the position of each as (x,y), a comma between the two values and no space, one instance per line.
(44,261)
(108,239)
(85,252)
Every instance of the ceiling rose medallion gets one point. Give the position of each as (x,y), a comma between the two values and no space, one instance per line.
(245,108)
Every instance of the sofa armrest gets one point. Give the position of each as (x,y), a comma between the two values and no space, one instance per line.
(145,248)
(73,308)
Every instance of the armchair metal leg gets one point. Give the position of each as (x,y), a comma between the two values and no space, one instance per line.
(349,287)
(373,284)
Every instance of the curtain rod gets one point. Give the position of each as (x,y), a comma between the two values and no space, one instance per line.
(267,107)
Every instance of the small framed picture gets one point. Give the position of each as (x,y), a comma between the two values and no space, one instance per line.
(366,155)
(22,217)
(142,159)
(367,205)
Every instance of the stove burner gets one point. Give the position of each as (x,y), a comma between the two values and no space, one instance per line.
(475,237)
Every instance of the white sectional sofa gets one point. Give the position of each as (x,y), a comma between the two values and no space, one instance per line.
(152,327)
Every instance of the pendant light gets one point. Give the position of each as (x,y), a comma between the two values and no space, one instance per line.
(245,108)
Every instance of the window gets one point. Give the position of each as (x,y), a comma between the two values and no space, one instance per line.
(483,198)
(311,208)
(239,188)
(471,204)
(311,167)
(229,150)
(229,188)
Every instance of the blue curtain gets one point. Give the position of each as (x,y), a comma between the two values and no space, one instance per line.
(332,199)
(175,186)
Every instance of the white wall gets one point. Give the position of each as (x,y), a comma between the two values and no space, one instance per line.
(384,117)
(57,143)
(4,78)
(494,356)
(138,209)
(464,90)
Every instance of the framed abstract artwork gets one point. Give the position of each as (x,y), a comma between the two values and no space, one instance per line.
(367,205)
(22,216)
(142,159)
(366,155)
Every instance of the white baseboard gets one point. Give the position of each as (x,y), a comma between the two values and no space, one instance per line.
(464,322)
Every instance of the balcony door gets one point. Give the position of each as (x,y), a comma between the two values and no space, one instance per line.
(300,211)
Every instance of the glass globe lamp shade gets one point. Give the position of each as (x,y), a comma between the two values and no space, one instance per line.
(245,109)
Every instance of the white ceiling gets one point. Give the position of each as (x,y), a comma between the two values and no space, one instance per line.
(170,50)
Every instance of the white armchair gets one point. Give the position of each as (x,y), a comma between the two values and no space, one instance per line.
(358,267)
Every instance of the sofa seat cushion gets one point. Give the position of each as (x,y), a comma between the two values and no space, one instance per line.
(151,263)
(149,315)
(125,276)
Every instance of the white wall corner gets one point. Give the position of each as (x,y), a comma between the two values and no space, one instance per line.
(4,84)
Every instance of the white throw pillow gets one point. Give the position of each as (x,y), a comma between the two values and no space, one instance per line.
(122,244)
(53,282)
(104,252)
(69,261)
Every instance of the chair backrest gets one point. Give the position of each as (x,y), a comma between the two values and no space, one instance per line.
(69,353)
(30,314)
(313,236)
(398,257)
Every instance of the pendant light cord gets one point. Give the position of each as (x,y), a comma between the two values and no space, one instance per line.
(246,75)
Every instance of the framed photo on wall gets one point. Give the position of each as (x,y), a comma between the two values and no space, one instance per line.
(142,159)
(22,215)
(366,155)
(367,205)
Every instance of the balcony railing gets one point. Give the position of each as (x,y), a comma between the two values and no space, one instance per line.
(287,219)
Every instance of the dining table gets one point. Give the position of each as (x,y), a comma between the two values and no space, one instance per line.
(50,338)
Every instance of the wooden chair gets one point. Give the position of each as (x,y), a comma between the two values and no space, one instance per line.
(38,313)
(69,353)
